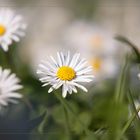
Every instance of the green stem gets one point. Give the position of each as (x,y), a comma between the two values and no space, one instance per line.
(68,108)
(120,89)
(67,123)
(127,125)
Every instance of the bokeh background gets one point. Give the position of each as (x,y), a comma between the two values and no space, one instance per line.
(85,26)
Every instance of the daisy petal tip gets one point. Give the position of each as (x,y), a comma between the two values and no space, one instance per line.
(85,90)
(50,90)
(64,96)
(20,96)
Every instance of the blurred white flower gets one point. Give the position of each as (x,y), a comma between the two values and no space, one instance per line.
(96,44)
(11,28)
(9,84)
(66,71)
(103,67)
(89,37)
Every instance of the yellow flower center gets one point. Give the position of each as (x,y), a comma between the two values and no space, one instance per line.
(96,63)
(96,41)
(66,73)
(2,30)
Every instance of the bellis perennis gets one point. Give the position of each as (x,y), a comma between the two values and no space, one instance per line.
(66,71)
(11,28)
(9,84)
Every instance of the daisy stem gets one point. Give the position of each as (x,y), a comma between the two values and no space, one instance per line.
(67,123)
(68,108)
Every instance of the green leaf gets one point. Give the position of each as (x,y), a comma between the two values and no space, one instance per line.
(85,117)
(130,44)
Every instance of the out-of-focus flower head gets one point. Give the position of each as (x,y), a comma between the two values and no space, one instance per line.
(96,44)
(89,37)
(11,28)
(68,72)
(9,84)
(103,67)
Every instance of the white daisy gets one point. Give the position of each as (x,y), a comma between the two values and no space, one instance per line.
(9,83)
(11,28)
(66,71)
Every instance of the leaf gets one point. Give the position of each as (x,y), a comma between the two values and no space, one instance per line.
(89,136)
(85,117)
(129,43)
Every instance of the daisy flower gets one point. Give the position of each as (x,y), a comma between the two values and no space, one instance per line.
(68,72)
(103,67)
(9,83)
(11,28)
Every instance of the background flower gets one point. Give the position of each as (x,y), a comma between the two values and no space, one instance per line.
(96,44)
(11,28)
(9,84)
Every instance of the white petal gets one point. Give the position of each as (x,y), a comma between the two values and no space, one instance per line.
(64,90)
(62,58)
(15,38)
(80,86)
(54,61)
(13,95)
(84,71)
(59,59)
(50,90)
(75,61)
(55,86)
(46,84)
(67,59)
(5,47)
(3,102)
(81,64)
